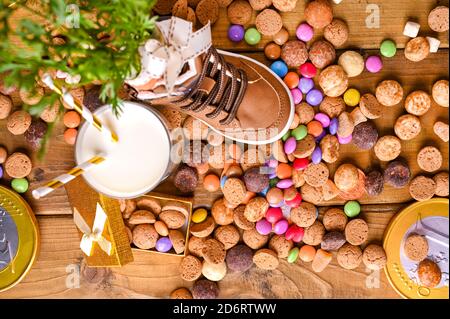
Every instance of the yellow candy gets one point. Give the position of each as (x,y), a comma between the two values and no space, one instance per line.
(351,97)
(199,215)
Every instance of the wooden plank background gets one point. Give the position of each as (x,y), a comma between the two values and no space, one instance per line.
(143,278)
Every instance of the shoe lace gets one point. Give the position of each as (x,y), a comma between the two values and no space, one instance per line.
(226,94)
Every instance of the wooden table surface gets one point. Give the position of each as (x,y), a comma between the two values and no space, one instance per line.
(153,276)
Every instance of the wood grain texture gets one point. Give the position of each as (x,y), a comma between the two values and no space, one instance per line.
(60,255)
(393,17)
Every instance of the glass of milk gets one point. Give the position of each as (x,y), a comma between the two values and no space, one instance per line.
(134,165)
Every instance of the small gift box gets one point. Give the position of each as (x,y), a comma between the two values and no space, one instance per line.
(165,230)
(103,235)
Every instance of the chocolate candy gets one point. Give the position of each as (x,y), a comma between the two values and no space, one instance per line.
(255,181)
(397,174)
(272,51)
(35,133)
(365,135)
(374,183)
(163,244)
(281,36)
(186,179)
(205,289)
(236,32)
(332,241)
(239,258)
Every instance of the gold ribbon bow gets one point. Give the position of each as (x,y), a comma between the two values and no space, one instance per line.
(94,235)
(165,59)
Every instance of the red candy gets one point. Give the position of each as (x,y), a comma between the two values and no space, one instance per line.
(295,233)
(308,70)
(300,163)
(274,214)
(294,202)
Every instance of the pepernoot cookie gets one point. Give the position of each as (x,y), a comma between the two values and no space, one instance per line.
(318,13)
(190,268)
(357,116)
(181,293)
(163,7)
(316,174)
(240,220)
(314,234)
(172,218)
(356,231)
(330,148)
(284,5)
(207,10)
(429,159)
(311,194)
(239,258)
(145,236)
(374,183)
(180,9)
(441,130)
(336,32)
(294,53)
(256,209)
(239,12)
(18,165)
(178,240)
(346,177)
(352,62)
(281,245)
(370,107)
(203,229)
(305,112)
(329,190)
(374,257)
(333,80)
(397,174)
(205,289)
(268,22)
(438,19)
(417,49)
(149,204)
(195,245)
(418,103)
(234,191)
(429,273)
(253,239)
(416,247)
(214,272)
(334,219)
(388,148)
(332,106)
(228,235)
(440,93)
(441,180)
(214,251)
(422,188)
(141,217)
(389,92)
(304,215)
(407,127)
(305,147)
(266,259)
(259,5)
(18,122)
(365,135)
(322,53)
(349,256)
(127,207)
(222,214)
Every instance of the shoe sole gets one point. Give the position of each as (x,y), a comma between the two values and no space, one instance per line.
(291,113)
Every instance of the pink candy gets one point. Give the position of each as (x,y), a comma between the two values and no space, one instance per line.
(297,95)
(374,64)
(300,163)
(290,145)
(323,119)
(263,227)
(274,214)
(344,140)
(285,183)
(304,32)
(295,233)
(280,227)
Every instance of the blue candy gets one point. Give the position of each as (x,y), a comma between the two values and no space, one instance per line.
(316,156)
(305,85)
(280,68)
(222,181)
(1,171)
(333,126)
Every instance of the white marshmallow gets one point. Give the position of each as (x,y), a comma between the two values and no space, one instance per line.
(434,44)
(411,29)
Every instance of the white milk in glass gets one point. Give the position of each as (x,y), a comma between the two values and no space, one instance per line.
(134,165)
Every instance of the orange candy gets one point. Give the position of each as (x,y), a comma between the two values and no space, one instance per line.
(71,119)
(284,171)
(211,183)
(291,79)
(70,136)
(314,128)
(235,151)
(307,253)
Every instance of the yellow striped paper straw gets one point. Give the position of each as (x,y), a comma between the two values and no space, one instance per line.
(70,175)
(79,107)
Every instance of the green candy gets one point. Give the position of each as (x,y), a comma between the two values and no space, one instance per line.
(252,36)
(273,182)
(293,255)
(20,185)
(299,132)
(352,208)
(388,48)
(286,136)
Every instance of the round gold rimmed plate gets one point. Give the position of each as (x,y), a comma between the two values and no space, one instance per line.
(424,218)
(19,238)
